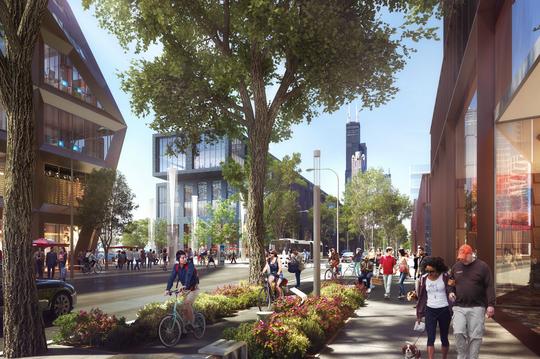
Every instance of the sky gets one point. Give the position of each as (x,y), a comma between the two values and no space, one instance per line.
(397,133)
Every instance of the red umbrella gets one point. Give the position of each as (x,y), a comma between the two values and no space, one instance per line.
(44,242)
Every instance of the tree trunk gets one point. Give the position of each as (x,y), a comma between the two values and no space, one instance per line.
(255,206)
(24,333)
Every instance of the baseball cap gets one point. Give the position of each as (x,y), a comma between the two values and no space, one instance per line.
(464,250)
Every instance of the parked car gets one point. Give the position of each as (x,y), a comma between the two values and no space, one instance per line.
(347,257)
(55,297)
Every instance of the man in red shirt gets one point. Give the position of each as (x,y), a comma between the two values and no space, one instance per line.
(388,268)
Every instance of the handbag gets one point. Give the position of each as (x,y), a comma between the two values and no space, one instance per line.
(419,327)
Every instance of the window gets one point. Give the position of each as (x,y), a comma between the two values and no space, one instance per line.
(59,72)
(166,160)
(162,202)
(188,192)
(525,31)
(202,198)
(216,193)
(209,155)
(63,129)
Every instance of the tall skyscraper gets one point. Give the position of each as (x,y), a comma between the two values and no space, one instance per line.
(355,152)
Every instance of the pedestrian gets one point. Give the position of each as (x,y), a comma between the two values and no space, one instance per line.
(366,272)
(39,260)
(233,257)
(62,258)
(418,258)
(52,261)
(164,258)
(137,259)
(143,258)
(388,267)
(403,272)
(378,255)
(357,259)
(434,303)
(122,258)
(211,259)
(474,299)
(129,257)
(190,253)
(296,266)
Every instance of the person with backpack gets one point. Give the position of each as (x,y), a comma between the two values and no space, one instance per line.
(434,303)
(295,266)
(184,272)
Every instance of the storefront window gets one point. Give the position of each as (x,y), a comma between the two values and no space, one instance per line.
(466,179)
(525,31)
(517,266)
(60,73)
(63,129)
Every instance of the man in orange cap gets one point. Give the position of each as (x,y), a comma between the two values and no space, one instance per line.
(474,299)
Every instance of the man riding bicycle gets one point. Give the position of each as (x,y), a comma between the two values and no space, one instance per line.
(334,260)
(275,272)
(185,270)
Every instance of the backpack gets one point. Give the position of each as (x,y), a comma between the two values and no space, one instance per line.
(293,266)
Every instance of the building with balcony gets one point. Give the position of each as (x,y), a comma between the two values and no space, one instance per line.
(485,152)
(78,125)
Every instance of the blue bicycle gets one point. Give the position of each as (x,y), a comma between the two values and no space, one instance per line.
(172,326)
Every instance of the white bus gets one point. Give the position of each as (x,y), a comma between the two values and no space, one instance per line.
(290,244)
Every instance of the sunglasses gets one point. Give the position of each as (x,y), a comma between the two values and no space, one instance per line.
(431,271)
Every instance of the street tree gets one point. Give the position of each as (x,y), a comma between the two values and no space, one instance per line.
(373,207)
(253,69)
(328,221)
(220,226)
(24,333)
(160,233)
(281,210)
(106,206)
(136,233)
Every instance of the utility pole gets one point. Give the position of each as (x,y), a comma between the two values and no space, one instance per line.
(317,222)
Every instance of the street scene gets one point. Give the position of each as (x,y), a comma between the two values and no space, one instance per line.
(191,179)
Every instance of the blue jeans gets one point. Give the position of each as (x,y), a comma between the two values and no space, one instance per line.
(402,277)
(443,316)
(367,276)
(297,274)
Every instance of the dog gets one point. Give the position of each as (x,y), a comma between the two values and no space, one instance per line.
(410,351)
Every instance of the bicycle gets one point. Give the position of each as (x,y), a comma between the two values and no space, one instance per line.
(268,294)
(88,268)
(172,326)
(332,273)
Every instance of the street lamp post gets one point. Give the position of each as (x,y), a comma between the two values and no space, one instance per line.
(337,204)
(317,223)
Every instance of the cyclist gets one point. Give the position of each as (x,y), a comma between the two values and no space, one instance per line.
(366,272)
(334,260)
(185,271)
(90,259)
(275,272)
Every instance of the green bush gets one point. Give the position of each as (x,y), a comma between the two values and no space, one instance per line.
(149,316)
(314,332)
(214,307)
(85,328)
(245,332)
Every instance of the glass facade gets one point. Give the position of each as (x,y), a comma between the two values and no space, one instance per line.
(466,179)
(188,192)
(517,245)
(65,130)
(525,31)
(238,151)
(60,233)
(202,199)
(210,155)
(216,193)
(162,202)
(60,73)
(165,160)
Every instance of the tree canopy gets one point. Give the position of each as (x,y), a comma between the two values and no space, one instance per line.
(220,226)
(136,233)
(371,202)
(253,68)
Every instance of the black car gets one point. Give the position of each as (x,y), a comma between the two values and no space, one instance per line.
(55,297)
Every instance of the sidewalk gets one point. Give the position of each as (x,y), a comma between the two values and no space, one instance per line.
(382,327)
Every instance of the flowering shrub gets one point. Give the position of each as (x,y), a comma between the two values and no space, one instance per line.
(243,295)
(281,338)
(85,328)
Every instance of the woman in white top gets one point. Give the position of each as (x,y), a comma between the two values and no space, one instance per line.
(434,303)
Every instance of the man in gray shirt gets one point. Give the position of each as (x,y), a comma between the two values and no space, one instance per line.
(474,299)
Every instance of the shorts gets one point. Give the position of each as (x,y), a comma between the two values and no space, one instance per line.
(276,276)
(191,296)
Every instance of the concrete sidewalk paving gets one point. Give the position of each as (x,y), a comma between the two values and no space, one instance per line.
(382,327)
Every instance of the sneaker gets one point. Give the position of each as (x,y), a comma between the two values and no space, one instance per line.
(369,290)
